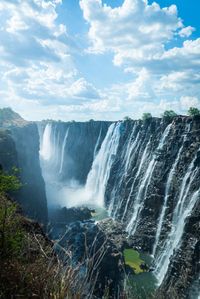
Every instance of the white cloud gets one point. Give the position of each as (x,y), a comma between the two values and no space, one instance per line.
(36,66)
(40,80)
(187,102)
(186,31)
(137,34)
(135,30)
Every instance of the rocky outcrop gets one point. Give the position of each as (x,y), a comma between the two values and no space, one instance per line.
(100,257)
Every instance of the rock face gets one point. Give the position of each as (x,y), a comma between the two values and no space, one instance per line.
(147,173)
(8,153)
(152,186)
(32,195)
(100,257)
(184,268)
(19,147)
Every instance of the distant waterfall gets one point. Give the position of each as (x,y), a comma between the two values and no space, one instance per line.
(100,171)
(142,192)
(182,210)
(53,149)
(63,151)
(97,144)
(46,149)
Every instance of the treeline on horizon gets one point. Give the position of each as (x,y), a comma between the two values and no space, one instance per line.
(168,114)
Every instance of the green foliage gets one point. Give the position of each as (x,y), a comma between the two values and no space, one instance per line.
(193,111)
(169,114)
(11,234)
(9,182)
(146,116)
(127,118)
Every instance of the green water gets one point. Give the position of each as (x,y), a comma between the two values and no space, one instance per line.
(141,283)
(100,213)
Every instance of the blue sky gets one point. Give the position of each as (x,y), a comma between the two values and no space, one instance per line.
(100,59)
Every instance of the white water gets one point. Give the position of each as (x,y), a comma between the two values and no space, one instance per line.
(97,145)
(46,149)
(100,171)
(125,166)
(63,151)
(143,159)
(142,192)
(182,210)
(167,189)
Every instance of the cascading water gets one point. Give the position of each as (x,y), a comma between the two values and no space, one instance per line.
(97,144)
(167,190)
(63,151)
(142,192)
(182,210)
(46,149)
(100,171)
(130,173)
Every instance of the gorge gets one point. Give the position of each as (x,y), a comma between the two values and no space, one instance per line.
(145,174)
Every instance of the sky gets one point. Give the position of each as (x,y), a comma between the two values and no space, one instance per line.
(99,59)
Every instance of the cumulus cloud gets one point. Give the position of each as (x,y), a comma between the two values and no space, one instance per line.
(135,30)
(36,66)
(39,77)
(137,34)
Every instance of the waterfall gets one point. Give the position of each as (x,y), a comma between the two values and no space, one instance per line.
(142,192)
(143,159)
(125,157)
(182,210)
(167,190)
(100,171)
(63,151)
(46,149)
(97,144)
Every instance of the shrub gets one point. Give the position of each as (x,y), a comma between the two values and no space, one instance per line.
(127,118)
(9,182)
(146,116)
(193,111)
(169,114)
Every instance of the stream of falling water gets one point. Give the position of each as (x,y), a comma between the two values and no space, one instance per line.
(100,171)
(182,210)
(141,195)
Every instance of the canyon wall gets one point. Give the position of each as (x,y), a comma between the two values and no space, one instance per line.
(153,187)
(19,147)
(146,174)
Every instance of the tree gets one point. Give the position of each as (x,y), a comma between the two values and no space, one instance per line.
(127,118)
(169,114)
(10,235)
(8,182)
(146,116)
(193,111)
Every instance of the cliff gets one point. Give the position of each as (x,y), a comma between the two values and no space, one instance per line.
(19,147)
(147,175)
(153,188)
